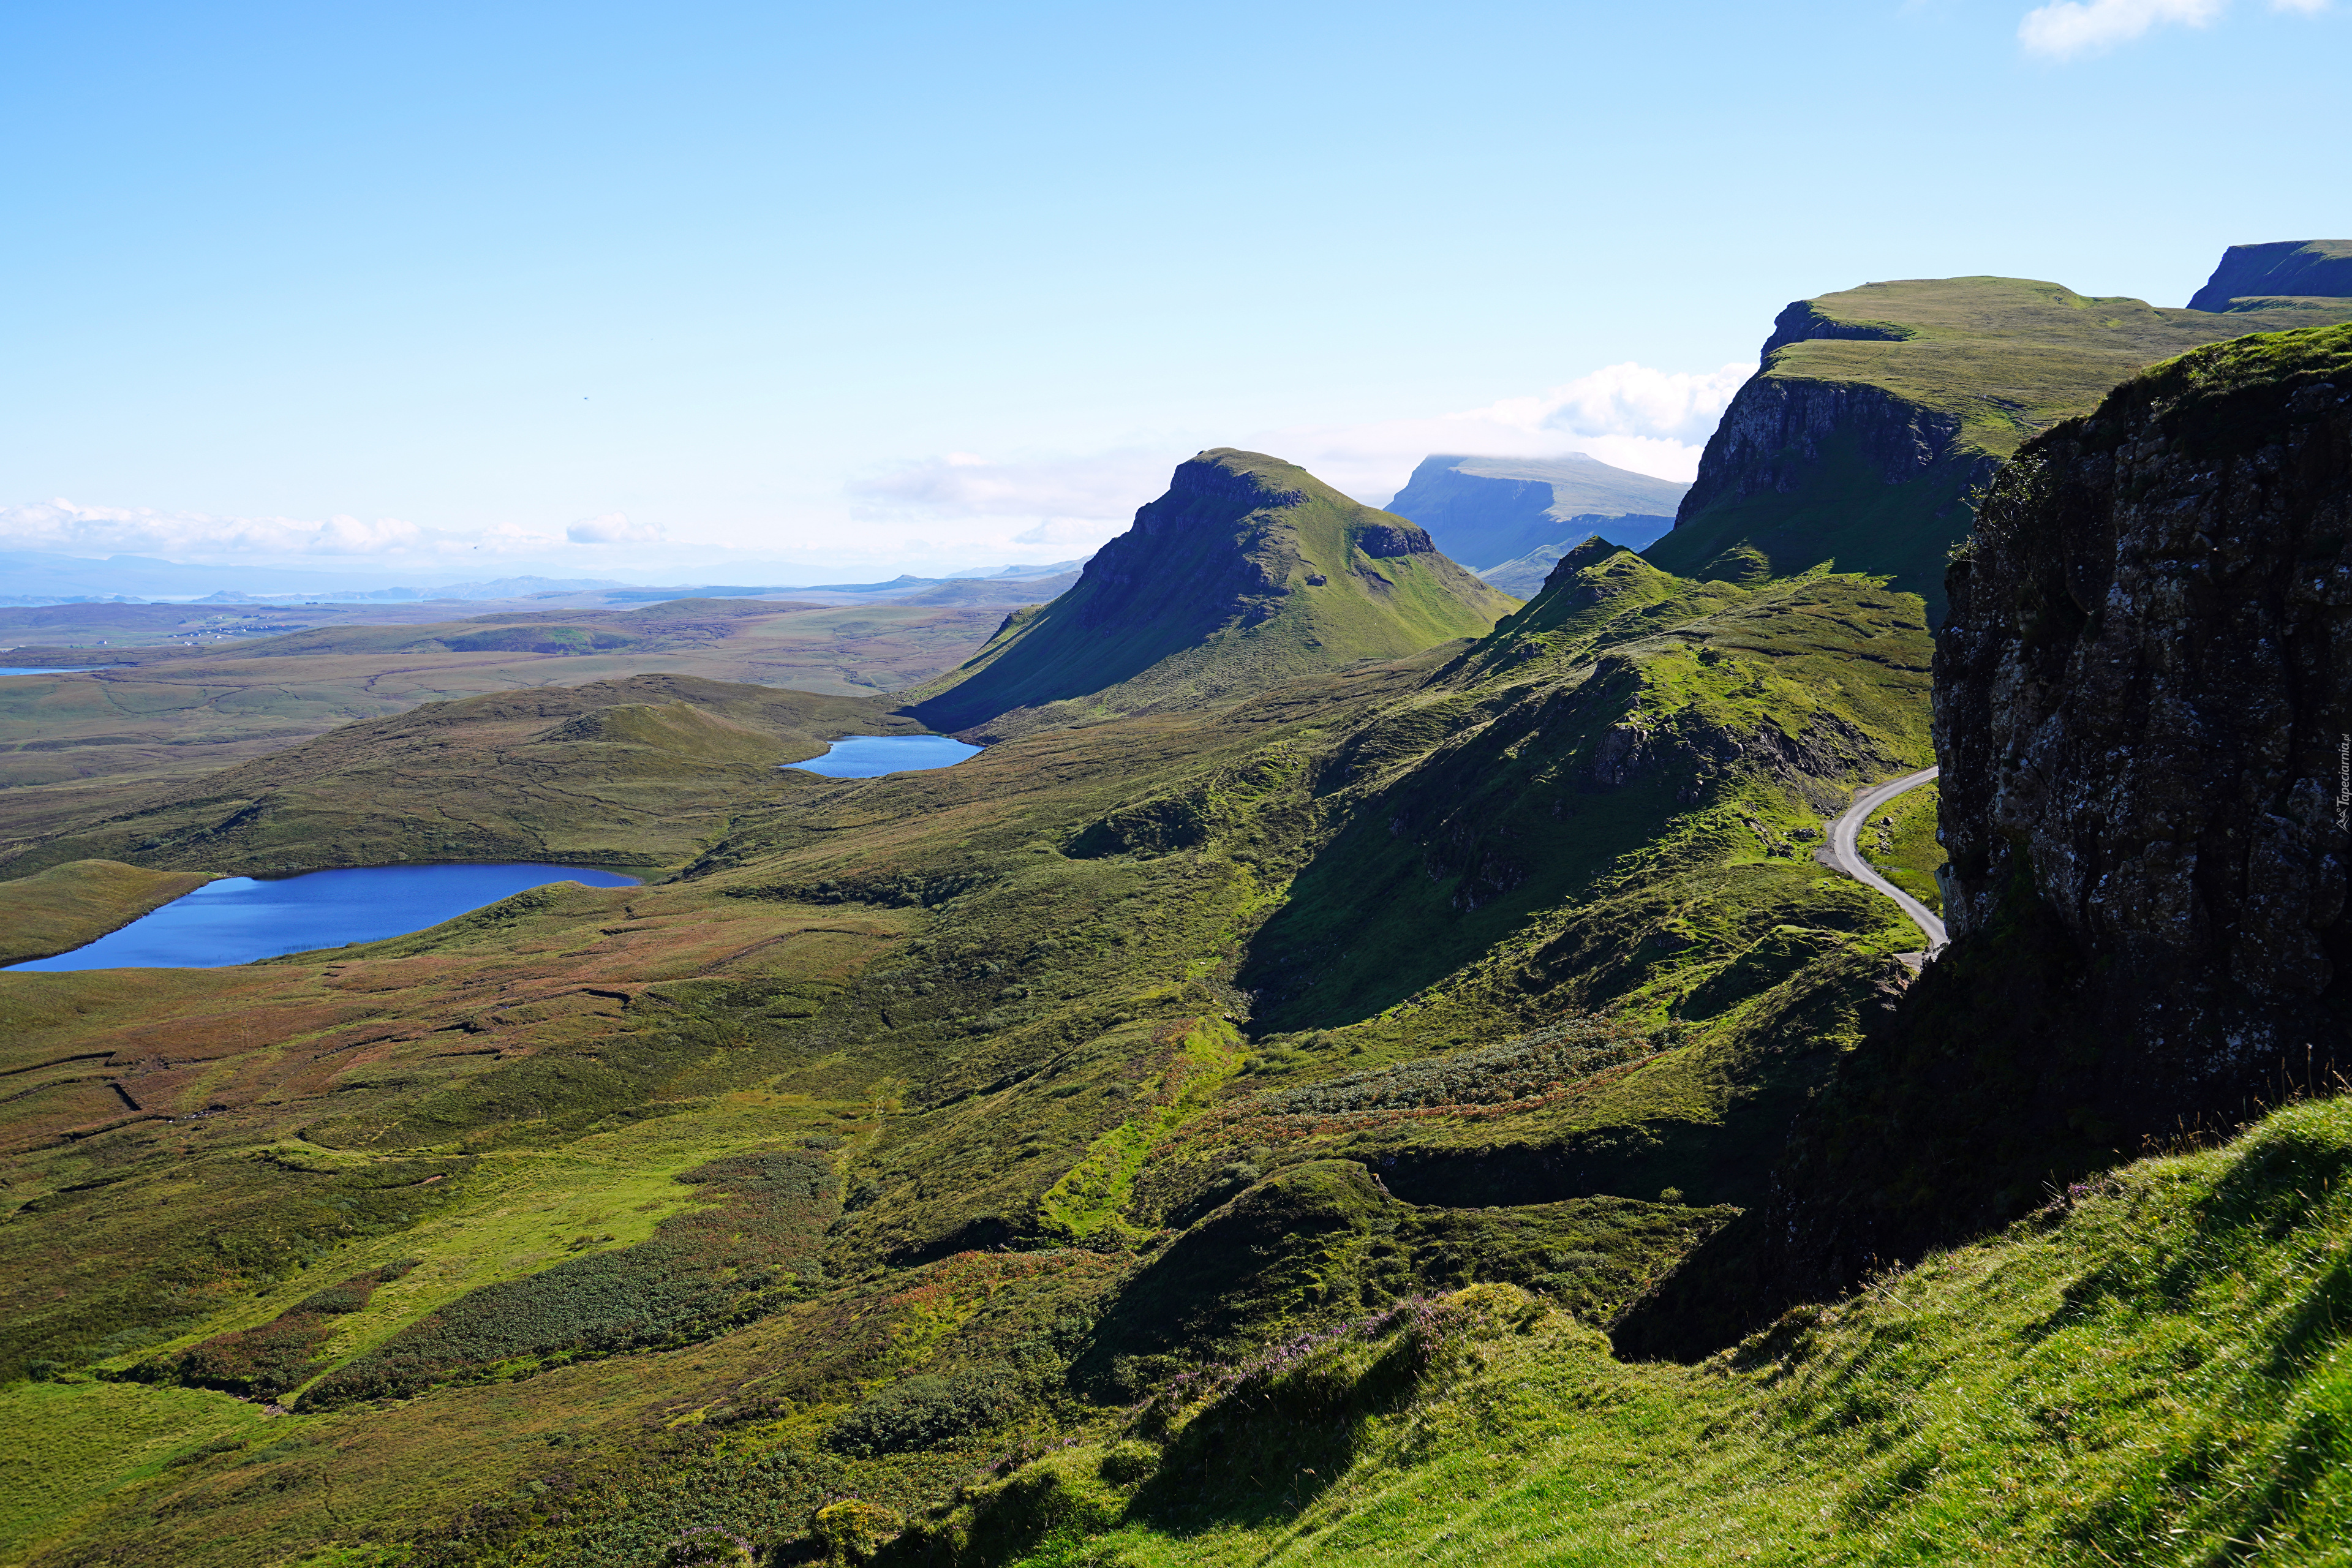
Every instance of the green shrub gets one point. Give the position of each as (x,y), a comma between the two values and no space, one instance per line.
(698,1274)
(853,1530)
(926,1411)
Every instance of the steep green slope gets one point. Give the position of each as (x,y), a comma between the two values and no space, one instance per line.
(2151,1371)
(1702,727)
(1879,410)
(1247,573)
(1523,577)
(1487,510)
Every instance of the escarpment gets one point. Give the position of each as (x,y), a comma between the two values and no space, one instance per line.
(2143,697)
(1780,432)
(1877,414)
(2143,700)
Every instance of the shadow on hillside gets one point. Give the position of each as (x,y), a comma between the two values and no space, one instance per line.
(1379,915)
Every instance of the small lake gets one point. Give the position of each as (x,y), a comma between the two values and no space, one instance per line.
(870,756)
(47,669)
(239,919)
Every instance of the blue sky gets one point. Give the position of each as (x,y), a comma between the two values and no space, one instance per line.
(639,290)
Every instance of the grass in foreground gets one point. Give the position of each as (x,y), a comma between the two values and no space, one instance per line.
(2150,1371)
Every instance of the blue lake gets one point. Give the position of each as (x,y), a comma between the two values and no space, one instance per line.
(47,669)
(239,919)
(870,756)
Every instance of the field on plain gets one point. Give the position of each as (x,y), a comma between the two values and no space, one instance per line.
(69,743)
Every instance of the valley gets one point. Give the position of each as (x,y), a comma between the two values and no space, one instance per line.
(1360,1066)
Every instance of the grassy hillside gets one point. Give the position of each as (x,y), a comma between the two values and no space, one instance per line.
(1878,410)
(1247,573)
(1524,578)
(2150,1371)
(1484,511)
(640,771)
(157,717)
(1703,728)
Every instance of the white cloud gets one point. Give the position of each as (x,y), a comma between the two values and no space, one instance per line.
(2065,28)
(614,528)
(1631,415)
(1058,505)
(68,528)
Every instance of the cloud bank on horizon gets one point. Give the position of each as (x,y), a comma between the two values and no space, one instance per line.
(2064,29)
(947,511)
(1630,415)
(68,528)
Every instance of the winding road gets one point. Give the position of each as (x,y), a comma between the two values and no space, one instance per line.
(1846,855)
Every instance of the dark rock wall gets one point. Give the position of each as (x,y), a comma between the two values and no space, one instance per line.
(1771,436)
(2143,696)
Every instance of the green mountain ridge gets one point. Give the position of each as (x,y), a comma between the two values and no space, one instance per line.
(1248,572)
(1879,411)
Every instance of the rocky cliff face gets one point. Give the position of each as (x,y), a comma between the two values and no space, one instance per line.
(2143,701)
(1777,432)
(2143,717)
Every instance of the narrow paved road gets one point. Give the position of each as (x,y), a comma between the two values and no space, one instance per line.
(1847,857)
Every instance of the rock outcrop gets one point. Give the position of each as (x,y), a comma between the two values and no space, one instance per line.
(2143,700)
(2144,718)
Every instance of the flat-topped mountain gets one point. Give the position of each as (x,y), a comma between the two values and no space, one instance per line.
(2284,272)
(1485,511)
(1249,571)
(1879,410)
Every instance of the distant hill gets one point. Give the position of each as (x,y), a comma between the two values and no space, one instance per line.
(2262,277)
(1879,410)
(1525,577)
(636,761)
(1049,569)
(1249,571)
(993,591)
(1484,511)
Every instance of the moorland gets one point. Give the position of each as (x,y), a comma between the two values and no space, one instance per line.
(1273,1103)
